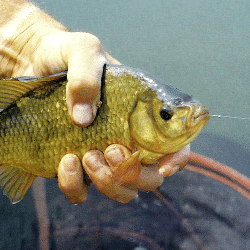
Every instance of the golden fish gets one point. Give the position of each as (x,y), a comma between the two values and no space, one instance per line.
(139,111)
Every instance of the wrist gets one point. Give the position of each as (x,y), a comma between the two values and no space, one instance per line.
(22,35)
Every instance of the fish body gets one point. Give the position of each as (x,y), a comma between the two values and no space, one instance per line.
(138,111)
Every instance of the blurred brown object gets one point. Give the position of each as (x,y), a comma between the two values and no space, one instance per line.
(39,194)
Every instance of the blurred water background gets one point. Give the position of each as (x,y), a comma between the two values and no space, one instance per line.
(201,47)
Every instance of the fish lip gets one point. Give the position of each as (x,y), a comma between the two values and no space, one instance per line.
(197,114)
(203,117)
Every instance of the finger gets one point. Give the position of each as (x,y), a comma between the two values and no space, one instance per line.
(125,166)
(70,179)
(115,155)
(173,163)
(99,172)
(85,58)
(112,60)
(149,178)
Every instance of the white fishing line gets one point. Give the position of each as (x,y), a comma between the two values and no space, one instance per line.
(232,117)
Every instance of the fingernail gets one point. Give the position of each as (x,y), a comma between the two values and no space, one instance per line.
(70,164)
(93,161)
(82,113)
(115,156)
(168,171)
(164,171)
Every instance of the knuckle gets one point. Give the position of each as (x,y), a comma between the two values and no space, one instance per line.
(84,87)
(92,39)
(86,38)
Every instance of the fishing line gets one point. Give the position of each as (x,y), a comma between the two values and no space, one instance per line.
(232,117)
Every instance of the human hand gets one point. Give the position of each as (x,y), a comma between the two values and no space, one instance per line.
(84,56)
(42,46)
(100,168)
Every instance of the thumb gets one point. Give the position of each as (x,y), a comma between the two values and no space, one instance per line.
(85,58)
(82,98)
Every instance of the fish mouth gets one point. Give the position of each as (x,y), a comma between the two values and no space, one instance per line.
(198,113)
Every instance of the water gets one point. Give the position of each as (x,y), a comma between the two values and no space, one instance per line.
(201,47)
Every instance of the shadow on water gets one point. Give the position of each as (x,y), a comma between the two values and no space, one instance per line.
(19,225)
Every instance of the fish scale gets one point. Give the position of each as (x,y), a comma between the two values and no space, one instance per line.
(36,131)
(32,143)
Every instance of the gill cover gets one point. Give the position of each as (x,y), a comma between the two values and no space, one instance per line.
(160,122)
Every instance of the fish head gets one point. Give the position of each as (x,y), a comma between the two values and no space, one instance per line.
(165,120)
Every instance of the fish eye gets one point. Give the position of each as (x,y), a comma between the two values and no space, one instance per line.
(166,113)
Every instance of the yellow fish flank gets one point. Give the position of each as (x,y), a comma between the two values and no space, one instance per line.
(139,111)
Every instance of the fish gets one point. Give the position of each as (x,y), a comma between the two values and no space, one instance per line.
(147,115)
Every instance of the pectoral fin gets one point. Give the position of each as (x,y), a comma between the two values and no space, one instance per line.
(129,171)
(15,182)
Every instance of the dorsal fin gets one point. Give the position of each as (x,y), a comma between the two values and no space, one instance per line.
(12,89)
